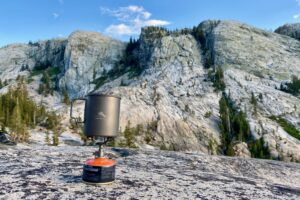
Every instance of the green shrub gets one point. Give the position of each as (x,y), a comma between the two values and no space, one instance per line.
(258,74)
(47,138)
(52,121)
(260,96)
(3,84)
(53,71)
(199,35)
(29,80)
(208,114)
(39,69)
(18,113)
(45,86)
(288,127)
(66,98)
(148,137)
(186,108)
(129,63)
(209,62)
(152,125)
(258,149)
(129,134)
(36,72)
(293,87)
(122,83)
(235,127)
(112,142)
(163,147)
(100,81)
(55,139)
(218,79)
(48,80)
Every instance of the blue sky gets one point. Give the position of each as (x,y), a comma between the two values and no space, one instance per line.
(24,20)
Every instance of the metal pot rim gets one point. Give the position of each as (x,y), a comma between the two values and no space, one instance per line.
(104,95)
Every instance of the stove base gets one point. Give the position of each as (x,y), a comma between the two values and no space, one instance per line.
(104,174)
(91,183)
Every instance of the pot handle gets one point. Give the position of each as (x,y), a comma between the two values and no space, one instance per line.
(76,119)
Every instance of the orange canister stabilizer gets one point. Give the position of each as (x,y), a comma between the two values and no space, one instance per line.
(100,162)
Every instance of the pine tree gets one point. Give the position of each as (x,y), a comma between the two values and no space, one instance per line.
(18,112)
(83,137)
(293,87)
(47,138)
(218,79)
(19,132)
(258,149)
(5,83)
(45,87)
(52,121)
(253,101)
(41,89)
(129,135)
(94,73)
(66,98)
(233,126)
(55,139)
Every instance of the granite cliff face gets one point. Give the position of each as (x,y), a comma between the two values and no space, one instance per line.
(87,54)
(256,61)
(174,91)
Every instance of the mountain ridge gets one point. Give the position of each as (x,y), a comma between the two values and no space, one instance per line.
(170,84)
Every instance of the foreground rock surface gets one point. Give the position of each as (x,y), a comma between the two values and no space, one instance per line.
(44,172)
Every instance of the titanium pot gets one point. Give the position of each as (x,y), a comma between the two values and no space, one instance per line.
(101,115)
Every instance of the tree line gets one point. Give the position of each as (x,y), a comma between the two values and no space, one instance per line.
(128,63)
(18,113)
(235,127)
(292,87)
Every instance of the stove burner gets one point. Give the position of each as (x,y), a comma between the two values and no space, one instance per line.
(99,170)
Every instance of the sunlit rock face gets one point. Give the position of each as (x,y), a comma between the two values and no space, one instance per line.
(173,91)
(87,54)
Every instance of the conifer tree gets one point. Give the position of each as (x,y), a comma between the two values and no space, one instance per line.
(47,138)
(5,83)
(18,112)
(129,135)
(66,98)
(254,103)
(55,139)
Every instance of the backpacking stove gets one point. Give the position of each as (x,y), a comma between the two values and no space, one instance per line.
(101,122)
(100,169)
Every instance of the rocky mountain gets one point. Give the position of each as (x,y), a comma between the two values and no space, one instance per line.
(168,83)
